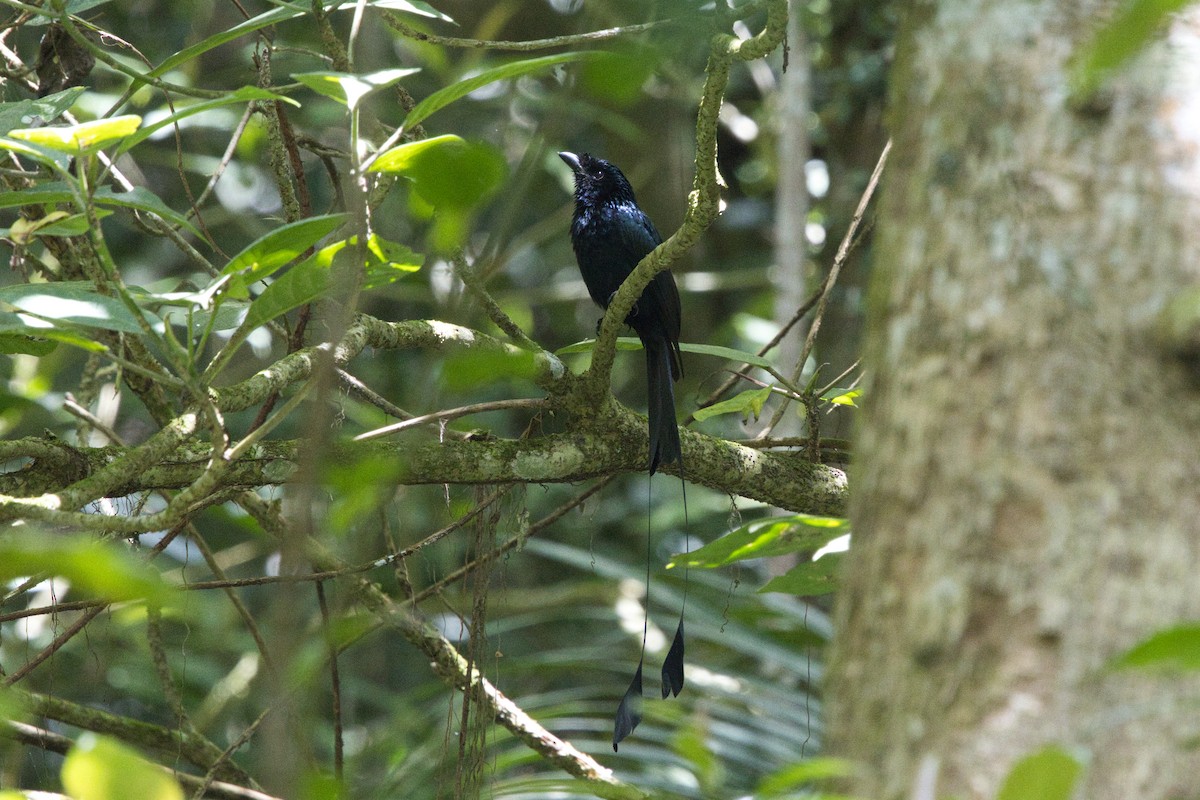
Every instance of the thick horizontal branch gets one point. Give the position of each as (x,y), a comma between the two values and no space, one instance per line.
(780,479)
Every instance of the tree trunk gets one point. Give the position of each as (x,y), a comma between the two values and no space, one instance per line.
(1027,498)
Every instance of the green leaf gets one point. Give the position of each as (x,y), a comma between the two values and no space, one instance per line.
(140,198)
(309,279)
(728,353)
(588,345)
(774,536)
(1121,38)
(246,94)
(73,8)
(69,303)
(24,113)
(282,14)
(57,223)
(798,776)
(444,97)
(842,397)
(98,569)
(1049,774)
(21,333)
(747,403)
(351,89)
(14,344)
(43,193)
(100,768)
(412,7)
(267,18)
(276,249)
(1175,648)
(82,137)
(447,171)
(808,578)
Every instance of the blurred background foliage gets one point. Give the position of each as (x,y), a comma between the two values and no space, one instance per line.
(564,610)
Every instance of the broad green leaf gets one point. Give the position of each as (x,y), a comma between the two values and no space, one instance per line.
(447,171)
(276,249)
(17,344)
(246,94)
(1175,648)
(25,113)
(81,137)
(1123,36)
(97,569)
(618,76)
(309,279)
(351,89)
(101,768)
(69,303)
(141,199)
(444,97)
(748,403)
(808,578)
(774,536)
(50,192)
(1049,774)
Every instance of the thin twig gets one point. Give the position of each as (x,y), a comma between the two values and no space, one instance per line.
(826,290)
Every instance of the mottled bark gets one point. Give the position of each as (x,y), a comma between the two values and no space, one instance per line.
(1027,496)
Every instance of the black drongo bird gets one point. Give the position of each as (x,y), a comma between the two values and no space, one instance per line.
(610,235)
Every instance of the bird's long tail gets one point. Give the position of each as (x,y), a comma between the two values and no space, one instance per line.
(661,372)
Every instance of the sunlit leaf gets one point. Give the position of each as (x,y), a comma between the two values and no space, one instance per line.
(310,279)
(71,303)
(842,397)
(276,249)
(412,7)
(1175,648)
(748,403)
(447,171)
(1049,774)
(456,91)
(774,536)
(350,89)
(101,768)
(81,137)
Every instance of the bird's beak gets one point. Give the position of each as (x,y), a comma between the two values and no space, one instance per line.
(572,161)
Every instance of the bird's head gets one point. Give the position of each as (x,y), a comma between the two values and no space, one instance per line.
(596,180)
